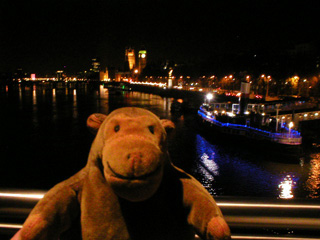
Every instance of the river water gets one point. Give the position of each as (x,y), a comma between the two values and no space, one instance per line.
(44,140)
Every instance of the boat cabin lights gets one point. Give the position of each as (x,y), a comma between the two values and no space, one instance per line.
(291,124)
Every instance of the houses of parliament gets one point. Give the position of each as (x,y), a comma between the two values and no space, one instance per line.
(133,66)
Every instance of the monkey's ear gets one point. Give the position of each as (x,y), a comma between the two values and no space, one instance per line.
(94,122)
(168,125)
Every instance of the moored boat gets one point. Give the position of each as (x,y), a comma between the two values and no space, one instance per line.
(229,123)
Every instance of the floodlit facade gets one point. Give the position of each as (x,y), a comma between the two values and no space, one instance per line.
(131,58)
(142,57)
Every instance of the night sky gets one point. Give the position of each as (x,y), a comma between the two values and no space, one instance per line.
(42,36)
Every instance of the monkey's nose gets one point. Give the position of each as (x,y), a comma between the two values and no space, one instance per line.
(135,161)
(135,156)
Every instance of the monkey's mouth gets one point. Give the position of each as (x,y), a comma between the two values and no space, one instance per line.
(131,176)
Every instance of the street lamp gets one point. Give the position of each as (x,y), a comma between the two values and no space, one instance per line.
(277,113)
(266,80)
(170,79)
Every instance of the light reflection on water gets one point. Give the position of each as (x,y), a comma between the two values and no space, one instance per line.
(54,125)
(286,187)
(224,174)
(313,181)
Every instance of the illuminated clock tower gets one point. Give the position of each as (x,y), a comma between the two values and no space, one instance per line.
(142,58)
(130,57)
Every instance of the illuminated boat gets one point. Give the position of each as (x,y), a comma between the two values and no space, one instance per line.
(229,123)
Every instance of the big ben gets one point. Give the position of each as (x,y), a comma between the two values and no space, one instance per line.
(142,58)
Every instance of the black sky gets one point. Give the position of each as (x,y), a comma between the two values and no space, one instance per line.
(45,35)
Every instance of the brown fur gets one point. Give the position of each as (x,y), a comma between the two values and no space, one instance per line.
(129,189)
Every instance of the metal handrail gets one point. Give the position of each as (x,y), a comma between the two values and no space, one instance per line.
(247,218)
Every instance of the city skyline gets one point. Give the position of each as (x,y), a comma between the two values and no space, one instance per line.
(45,36)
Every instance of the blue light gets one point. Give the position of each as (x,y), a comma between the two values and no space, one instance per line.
(293,134)
(223,173)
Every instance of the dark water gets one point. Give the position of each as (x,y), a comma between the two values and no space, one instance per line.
(44,140)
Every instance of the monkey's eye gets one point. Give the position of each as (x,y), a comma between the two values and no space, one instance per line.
(151,129)
(117,128)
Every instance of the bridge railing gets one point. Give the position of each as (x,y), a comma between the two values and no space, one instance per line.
(248,218)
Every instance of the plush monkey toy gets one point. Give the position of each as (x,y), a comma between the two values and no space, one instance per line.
(129,189)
